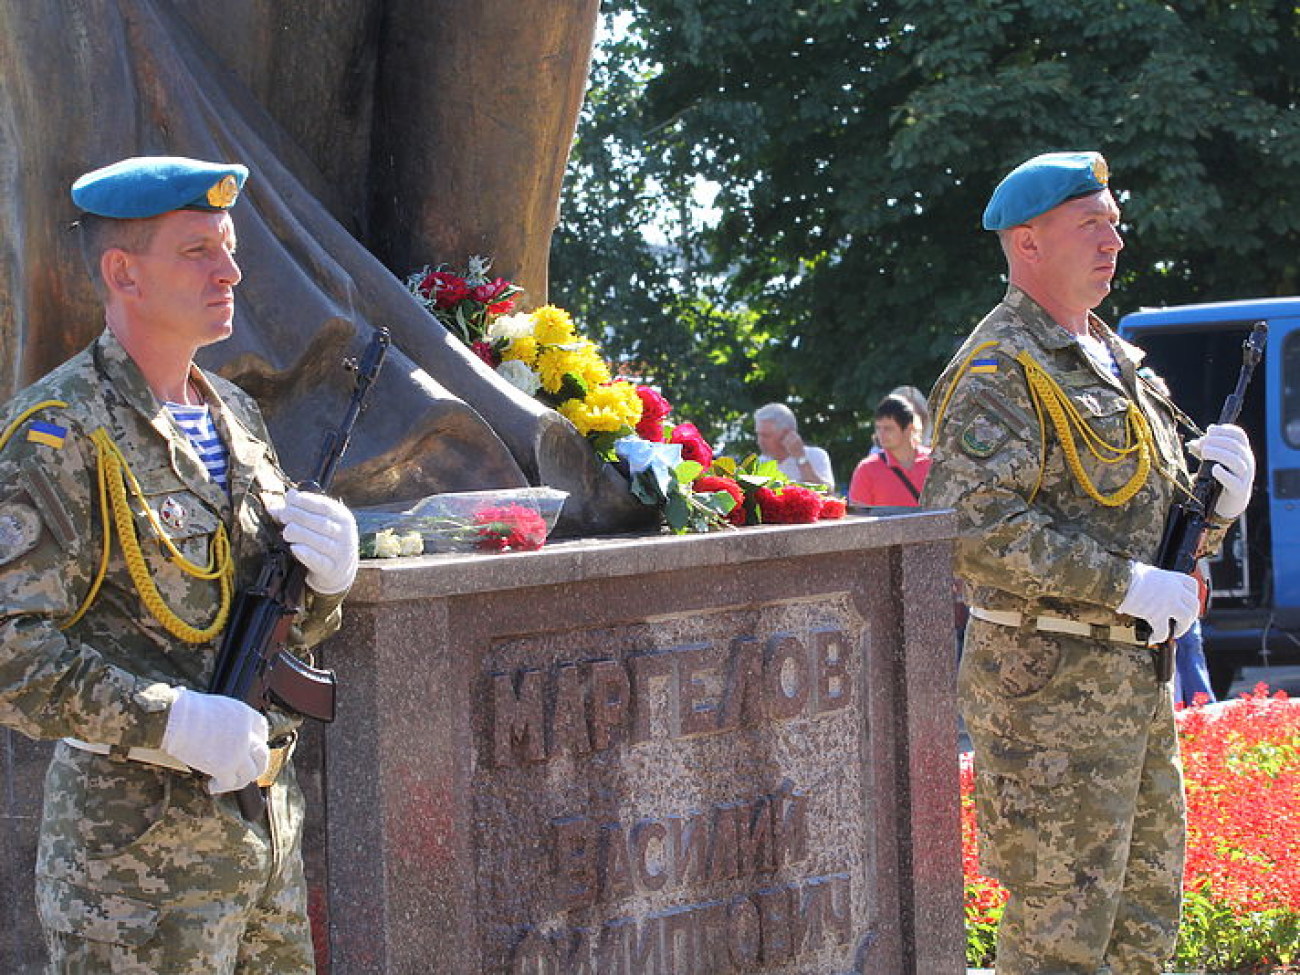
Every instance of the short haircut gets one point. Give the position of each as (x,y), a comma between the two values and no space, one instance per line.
(777,413)
(897,409)
(99,234)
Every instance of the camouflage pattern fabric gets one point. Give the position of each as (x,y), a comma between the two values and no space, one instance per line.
(139,868)
(1078,783)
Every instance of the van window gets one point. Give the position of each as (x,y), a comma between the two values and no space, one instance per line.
(1291,390)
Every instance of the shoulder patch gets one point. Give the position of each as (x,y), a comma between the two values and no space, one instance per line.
(983,435)
(20,530)
(47,434)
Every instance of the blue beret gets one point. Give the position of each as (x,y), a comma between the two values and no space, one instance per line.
(145,186)
(1043,182)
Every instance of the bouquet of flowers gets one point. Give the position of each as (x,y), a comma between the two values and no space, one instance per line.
(514,520)
(700,492)
(463,302)
(541,353)
(670,465)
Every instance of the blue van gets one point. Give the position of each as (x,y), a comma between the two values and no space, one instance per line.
(1254,615)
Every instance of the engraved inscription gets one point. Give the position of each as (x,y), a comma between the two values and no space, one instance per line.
(595,863)
(748,932)
(582,706)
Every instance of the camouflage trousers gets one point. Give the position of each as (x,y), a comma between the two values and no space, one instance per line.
(1079,800)
(140,870)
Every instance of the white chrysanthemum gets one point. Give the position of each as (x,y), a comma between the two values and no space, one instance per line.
(518,374)
(412,543)
(511,326)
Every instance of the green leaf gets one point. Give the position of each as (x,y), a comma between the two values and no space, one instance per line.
(687,471)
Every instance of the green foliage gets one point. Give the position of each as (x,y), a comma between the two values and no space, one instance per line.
(1214,937)
(855,144)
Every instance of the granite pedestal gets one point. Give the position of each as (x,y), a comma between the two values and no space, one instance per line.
(633,756)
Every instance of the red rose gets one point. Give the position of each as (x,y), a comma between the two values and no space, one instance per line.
(653,410)
(794,505)
(486,352)
(709,483)
(446,289)
(694,446)
(833,507)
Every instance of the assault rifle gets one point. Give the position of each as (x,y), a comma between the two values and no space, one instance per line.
(1189,519)
(254,664)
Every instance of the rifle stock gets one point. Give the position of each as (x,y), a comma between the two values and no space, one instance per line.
(1188,520)
(254,663)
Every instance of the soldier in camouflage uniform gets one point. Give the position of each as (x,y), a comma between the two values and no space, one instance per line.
(1062,461)
(122,538)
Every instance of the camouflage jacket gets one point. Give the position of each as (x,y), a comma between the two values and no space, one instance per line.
(1031,538)
(111,676)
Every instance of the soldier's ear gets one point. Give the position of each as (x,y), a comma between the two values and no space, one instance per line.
(117,270)
(1023,242)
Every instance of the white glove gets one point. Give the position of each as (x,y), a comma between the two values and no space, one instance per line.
(1234,465)
(322,534)
(218,735)
(1164,599)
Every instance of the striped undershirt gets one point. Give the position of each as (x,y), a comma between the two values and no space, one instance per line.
(196,423)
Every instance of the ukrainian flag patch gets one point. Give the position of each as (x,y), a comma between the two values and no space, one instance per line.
(48,434)
(984,365)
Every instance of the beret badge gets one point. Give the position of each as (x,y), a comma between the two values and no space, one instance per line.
(1100,171)
(223,193)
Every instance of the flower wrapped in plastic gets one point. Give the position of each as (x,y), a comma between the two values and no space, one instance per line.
(511,520)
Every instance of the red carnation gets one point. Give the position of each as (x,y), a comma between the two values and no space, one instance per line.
(501,307)
(795,505)
(486,352)
(694,446)
(490,291)
(710,483)
(653,410)
(446,289)
(833,507)
(515,527)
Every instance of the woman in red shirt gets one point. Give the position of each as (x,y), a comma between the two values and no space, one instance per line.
(894,474)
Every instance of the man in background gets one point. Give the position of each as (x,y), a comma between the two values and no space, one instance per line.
(777,431)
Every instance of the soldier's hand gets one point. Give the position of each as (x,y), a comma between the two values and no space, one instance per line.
(218,735)
(322,534)
(1168,601)
(1234,465)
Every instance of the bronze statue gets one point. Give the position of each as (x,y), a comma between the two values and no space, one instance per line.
(381,135)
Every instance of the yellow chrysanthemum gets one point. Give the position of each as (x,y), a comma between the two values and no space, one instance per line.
(552,326)
(523,348)
(606,409)
(614,405)
(591,366)
(554,362)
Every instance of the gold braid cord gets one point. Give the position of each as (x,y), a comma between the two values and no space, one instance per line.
(114,475)
(1051,400)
